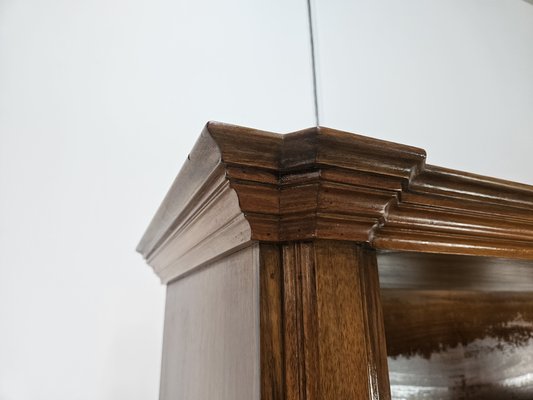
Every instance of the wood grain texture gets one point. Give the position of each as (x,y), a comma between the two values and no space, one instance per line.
(199,220)
(299,217)
(300,322)
(353,364)
(450,345)
(320,183)
(332,338)
(271,311)
(458,327)
(193,177)
(421,322)
(211,338)
(427,272)
(374,325)
(213,227)
(343,350)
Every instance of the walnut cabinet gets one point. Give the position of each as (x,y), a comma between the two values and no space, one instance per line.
(323,265)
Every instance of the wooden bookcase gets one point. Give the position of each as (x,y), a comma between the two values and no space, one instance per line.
(326,265)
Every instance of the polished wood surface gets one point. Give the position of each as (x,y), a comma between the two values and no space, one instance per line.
(325,333)
(328,184)
(351,333)
(272,323)
(268,244)
(458,327)
(211,338)
(423,271)
(199,220)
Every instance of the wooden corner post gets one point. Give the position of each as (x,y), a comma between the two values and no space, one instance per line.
(322,328)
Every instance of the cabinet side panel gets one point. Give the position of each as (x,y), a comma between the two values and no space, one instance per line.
(211,338)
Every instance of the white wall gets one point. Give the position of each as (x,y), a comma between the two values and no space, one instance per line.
(454,77)
(100,102)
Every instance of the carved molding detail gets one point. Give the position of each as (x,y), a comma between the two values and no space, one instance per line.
(326,184)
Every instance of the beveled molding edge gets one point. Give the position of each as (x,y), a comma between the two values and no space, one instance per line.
(240,185)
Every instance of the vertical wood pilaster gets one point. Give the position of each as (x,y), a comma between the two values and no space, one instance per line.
(271,323)
(332,342)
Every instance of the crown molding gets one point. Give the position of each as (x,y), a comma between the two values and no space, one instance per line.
(241,185)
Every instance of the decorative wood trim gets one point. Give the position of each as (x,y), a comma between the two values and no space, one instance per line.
(271,323)
(300,319)
(325,184)
(376,345)
(326,336)
(212,226)
(199,220)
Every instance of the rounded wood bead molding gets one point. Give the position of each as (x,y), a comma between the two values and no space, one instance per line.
(240,185)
